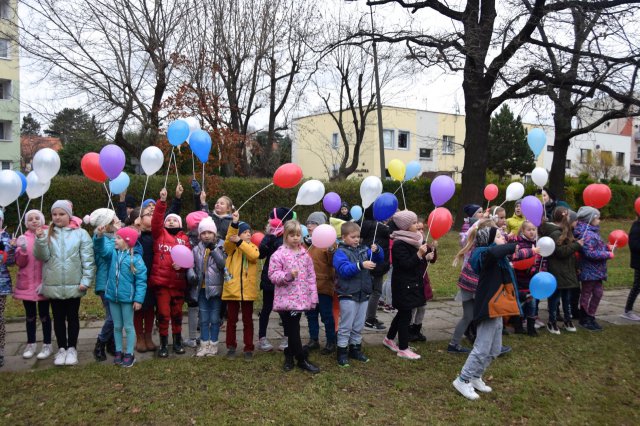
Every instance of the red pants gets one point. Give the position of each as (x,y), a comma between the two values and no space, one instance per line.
(247,324)
(143,321)
(169,305)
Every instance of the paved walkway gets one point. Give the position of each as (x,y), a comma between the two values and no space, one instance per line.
(439,322)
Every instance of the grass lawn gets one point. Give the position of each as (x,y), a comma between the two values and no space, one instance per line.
(582,378)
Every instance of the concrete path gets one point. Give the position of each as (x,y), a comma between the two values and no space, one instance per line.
(439,322)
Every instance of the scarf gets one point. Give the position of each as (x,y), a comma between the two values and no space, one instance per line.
(409,237)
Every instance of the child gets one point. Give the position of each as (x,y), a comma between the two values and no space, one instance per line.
(417,314)
(167,279)
(526,239)
(291,270)
(515,222)
(240,289)
(126,286)
(634,248)
(352,262)
(474,213)
(29,278)
(371,228)
(7,251)
(594,254)
(221,213)
(67,272)
(205,285)
(193,220)
(344,213)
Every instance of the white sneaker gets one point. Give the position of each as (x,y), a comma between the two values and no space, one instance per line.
(203,350)
(45,352)
(191,343)
(29,351)
(479,385)
(284,344)
(264,345)
(408,354)
(61,357)
(465,388)
(631,316)
(213,349)
(72,357)
(539,324)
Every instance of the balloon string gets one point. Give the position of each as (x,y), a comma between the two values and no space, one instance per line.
(587,227)
(108,194)
(403,199)
(144,192)
(24,212)
(282,219)
(193,164)
(394,192)
(250,198)
(166,177)
(175,163)
(374,240)
(18,207)
(203,189)
(41,201)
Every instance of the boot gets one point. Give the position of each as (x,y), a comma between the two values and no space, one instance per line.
(99,351)
(111,346)
(163,352)
(329,348)
(517,325)
(304,364)
(141,346)
(355,352)
(413,334)
(531,327)
(343,356)
(288,360)
(418,333)
(177,344)
(148,342)
(313,344)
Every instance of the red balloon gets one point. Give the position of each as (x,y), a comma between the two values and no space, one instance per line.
(90,166)
(636,205)
(619,238)
(439,222)
(490,192)
(524,264)
(256,238)
(287,176)
(596,195)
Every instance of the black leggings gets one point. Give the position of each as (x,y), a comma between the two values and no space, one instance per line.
(291,322)
(33,310)
(400,326)
(65,317)
(635,290)
(263,318)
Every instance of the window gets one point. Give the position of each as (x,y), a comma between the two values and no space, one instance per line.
(334,170)
(334,141)
(606,157)
(425,154)
(447,144)
(638,153)
(5,130)
(549,148)
(387,136)
(585,155)
(4,48)
(403,139)
(6,165)
(567,164)
(620,159)
(5,89)
(4,9)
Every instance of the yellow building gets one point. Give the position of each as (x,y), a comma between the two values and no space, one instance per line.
(9,88)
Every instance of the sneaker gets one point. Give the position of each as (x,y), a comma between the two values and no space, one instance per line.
(231,353)
(374,324)
(45,352)
(248,356)
(203,350)
(213,349)
(457,349)
(479,385)
(191,343)
(596,326)
(408,354)
(539,324)
(72,357)
(117,358)
(631,316)
(388,309)
(29,351)
(128,360)
(60,358)
(465,388)
(568,326)
(284,344)
(505,350)
(390,344)
(264,345)
(553,328)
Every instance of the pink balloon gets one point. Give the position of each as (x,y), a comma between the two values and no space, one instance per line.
(324,236)
(182,256)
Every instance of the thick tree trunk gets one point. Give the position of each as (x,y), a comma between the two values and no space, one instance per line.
(562,122)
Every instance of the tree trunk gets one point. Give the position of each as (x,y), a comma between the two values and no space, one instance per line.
(562,123)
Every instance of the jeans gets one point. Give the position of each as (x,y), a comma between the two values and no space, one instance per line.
(324,309)
(554,300)
(372,307)
(485,349)
(400,326)
(32,310)
(528,305)
(66,321)
(209,310)
(122,314)
(352,317)
(106,333)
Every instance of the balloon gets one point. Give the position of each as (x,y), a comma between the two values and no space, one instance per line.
(324,236)
(536,140)
(178,132)
(10,187)
(256,238)
(310,192)
(539,176)
(35,187)
(46,164)
(636,205)
(305,231)
(515,191)
(542,285)
(490,192)
(523,265)
(442,189)
(23,181)
(112,160)
(119,184)
(151,160)
(385,206)
(397,169)
(194,125)
(287,176)
(596,195)
(439,222)
(414,168)
(532,209)
(332,202)
(547,246)
(90,165)
(370,188)
(200,143)
(182,256)
(356,212)
(619,238)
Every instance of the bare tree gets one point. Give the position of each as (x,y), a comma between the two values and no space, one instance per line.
(600,164)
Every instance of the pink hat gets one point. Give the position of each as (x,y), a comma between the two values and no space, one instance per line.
(194,218)
(129,235)
(207,225)
(404,219)
(175,216)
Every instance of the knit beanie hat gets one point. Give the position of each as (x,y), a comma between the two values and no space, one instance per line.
(243,226)
(129,235)
(319,218)
(344,204)
(587,214)
(404,219)
(281,213)
(64,205)
(148,201)
(100,217)
(573,216)
(194,219)
(29,213)
(485,236)
(471,209)
(206,224)
(175,216)
(130,201)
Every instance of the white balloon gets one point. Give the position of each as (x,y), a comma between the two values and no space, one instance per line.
(539,176)
(311,192)
(151,160)
(194,125)
(46,164)
(515,191)
(546,246)
(370,189)
(35,187)
(10,187)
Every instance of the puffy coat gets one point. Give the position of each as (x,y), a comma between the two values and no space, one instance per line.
(323,265)
(593,254)
(407,283)
(514,223)
(211,273)
(68,262)
(293,294)
(563,263)
(382,240)
(123,284)
(103,261)
(354,281)
(162,273)
(29,275)
(270,243)
(242,269)
(6,258)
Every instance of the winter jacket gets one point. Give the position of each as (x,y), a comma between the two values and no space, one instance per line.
(242,269)
(209,274)
(162,273)
(468,278)
(634,244)
(29,275)
(123,285)
(7,258)
(353,280)
(382,240)
(323,266)
(293,294)
(407,282)
(270,243)
(524,252)
(594,253)
(121,209)
(514,223)
(103,260)
(222,222)
(562,264)
(68,262)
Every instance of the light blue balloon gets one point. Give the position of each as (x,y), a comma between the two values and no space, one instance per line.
(537,140)
(542,285)
(200,143)
(178,132)
(356,212)
(305,231)
(119,184)
(23,178)
(413,169)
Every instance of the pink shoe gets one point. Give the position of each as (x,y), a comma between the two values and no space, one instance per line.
(390,344)
(408,354)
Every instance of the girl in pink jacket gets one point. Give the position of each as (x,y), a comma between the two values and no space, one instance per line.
(291,271)
(28,281)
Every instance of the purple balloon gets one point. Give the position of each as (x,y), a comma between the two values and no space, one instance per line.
(532,209)
(112,160)
(332,202)
(442,189)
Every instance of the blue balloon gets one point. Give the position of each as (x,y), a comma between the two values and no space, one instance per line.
(536,140)
(413,169)
(23,178)
(178,132)
(119,184)
(200,143)
(385,206)
(356,213)
(305,231)
(542,285)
